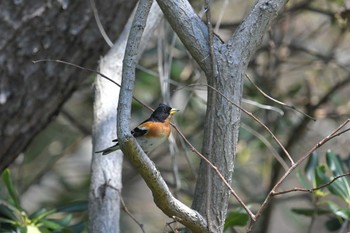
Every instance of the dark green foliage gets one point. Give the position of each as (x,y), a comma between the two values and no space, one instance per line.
(327,180)
(13,218)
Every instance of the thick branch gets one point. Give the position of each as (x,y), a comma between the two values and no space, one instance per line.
(191,30)
(249,34)
(162,196)
(106,170)
(161,193)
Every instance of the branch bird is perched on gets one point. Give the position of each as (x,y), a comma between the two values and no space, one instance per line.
(152,132)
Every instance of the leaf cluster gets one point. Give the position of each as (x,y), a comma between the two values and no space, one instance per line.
(14,218)
(326,181)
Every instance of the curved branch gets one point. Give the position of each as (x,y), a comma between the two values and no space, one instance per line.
(161,193)
(250,32)
(191,30)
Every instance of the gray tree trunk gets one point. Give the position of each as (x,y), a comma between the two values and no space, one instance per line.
(31,94)
(222,119)
(106,171)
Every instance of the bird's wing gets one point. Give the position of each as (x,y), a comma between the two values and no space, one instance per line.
(137,132)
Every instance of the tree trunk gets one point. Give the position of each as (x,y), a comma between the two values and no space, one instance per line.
(31,94)
(223,118)
(106,171)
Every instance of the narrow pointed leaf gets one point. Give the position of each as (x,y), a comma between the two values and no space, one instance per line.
(301,178)
(236,218)
(311,164)
(6,177)
(310,211)
(341,184)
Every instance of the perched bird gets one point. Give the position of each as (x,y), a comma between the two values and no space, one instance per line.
(152,132)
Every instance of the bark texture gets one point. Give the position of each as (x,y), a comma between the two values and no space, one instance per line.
(223,118)
(31,94)
(106,171)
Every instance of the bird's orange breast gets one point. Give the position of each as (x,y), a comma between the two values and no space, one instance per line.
(156,129)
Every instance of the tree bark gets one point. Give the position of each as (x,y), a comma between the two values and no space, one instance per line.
(31,95)
(222,119)
(106,171)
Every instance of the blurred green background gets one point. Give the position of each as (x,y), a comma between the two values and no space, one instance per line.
(304,61)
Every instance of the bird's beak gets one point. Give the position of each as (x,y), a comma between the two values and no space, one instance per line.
(173,111)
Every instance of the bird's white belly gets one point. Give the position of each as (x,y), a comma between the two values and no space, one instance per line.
(150,144)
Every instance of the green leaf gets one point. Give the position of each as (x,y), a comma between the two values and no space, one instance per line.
(37,213)
(41,214)
(9,221)
(309,212)
(347,162)
(334,163)
(64,221)
(301,178)
(23,229)
(337,188)
(78,206)
(6,177)
(236,217)
(320,179)
(79,227)
(333,224)
(341,185)
(311,164)
(51,224)
(9,211)
(340,212)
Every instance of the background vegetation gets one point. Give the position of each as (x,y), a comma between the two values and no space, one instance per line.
(303,62)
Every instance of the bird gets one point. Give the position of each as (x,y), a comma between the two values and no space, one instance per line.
(150,133)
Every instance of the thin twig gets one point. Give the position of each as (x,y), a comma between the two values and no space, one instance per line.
(277,101)
(252,116)
(91,70)
(252,216)
(332,135)
(267,144)
(75,122)
(99,24)
(126,209)
(312,189)
(263,106)
(221,14)
(165,57)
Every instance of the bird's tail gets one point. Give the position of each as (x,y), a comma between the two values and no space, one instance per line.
(109,149)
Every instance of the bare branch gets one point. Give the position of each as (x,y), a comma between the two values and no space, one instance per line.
(249,34)
(277,101)
(252,216)
(127,211)
(252,116)
(104,202)
(161,193)
(99,24)
(267,144)
(332,135)
(312,189)
(96,72)
(191,30)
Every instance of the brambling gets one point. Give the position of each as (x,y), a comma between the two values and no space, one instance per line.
(150,133)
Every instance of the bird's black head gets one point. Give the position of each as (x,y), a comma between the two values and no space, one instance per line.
(162,113)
